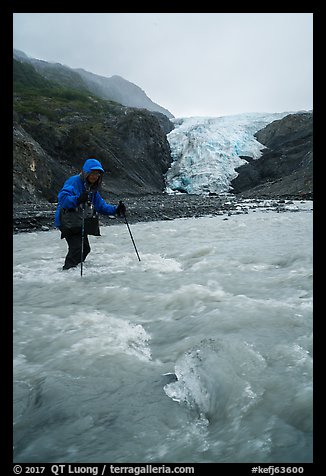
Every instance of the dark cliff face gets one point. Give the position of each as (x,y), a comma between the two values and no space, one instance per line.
(286,166)
(36,175)
(56,130)
(133,151)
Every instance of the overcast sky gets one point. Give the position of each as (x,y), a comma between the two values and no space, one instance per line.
(193,64)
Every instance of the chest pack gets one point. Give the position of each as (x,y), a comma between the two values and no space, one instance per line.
(71,220)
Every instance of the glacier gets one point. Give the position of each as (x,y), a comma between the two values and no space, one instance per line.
(206,150)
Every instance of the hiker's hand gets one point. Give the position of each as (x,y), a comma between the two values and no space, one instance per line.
(82,198)
(121,209)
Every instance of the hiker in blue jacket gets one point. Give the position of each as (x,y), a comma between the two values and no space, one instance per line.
(79,203)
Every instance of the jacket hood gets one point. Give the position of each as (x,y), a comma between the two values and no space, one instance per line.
(92,164)
(89,165)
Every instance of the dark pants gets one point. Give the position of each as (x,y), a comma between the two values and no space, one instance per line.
(73,257)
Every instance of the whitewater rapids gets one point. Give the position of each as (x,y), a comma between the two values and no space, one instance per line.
(200,352)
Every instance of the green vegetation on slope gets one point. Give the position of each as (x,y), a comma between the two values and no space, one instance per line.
(34,94)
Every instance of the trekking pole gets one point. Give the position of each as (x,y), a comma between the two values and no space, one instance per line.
(132,239)
(82,241)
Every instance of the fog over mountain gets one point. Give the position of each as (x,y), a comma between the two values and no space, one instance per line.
(114,88)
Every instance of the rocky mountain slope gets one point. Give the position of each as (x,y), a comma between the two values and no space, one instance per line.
(114,88)
(286,166)
(57,128)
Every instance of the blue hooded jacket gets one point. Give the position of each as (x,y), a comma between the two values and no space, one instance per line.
(74,186)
